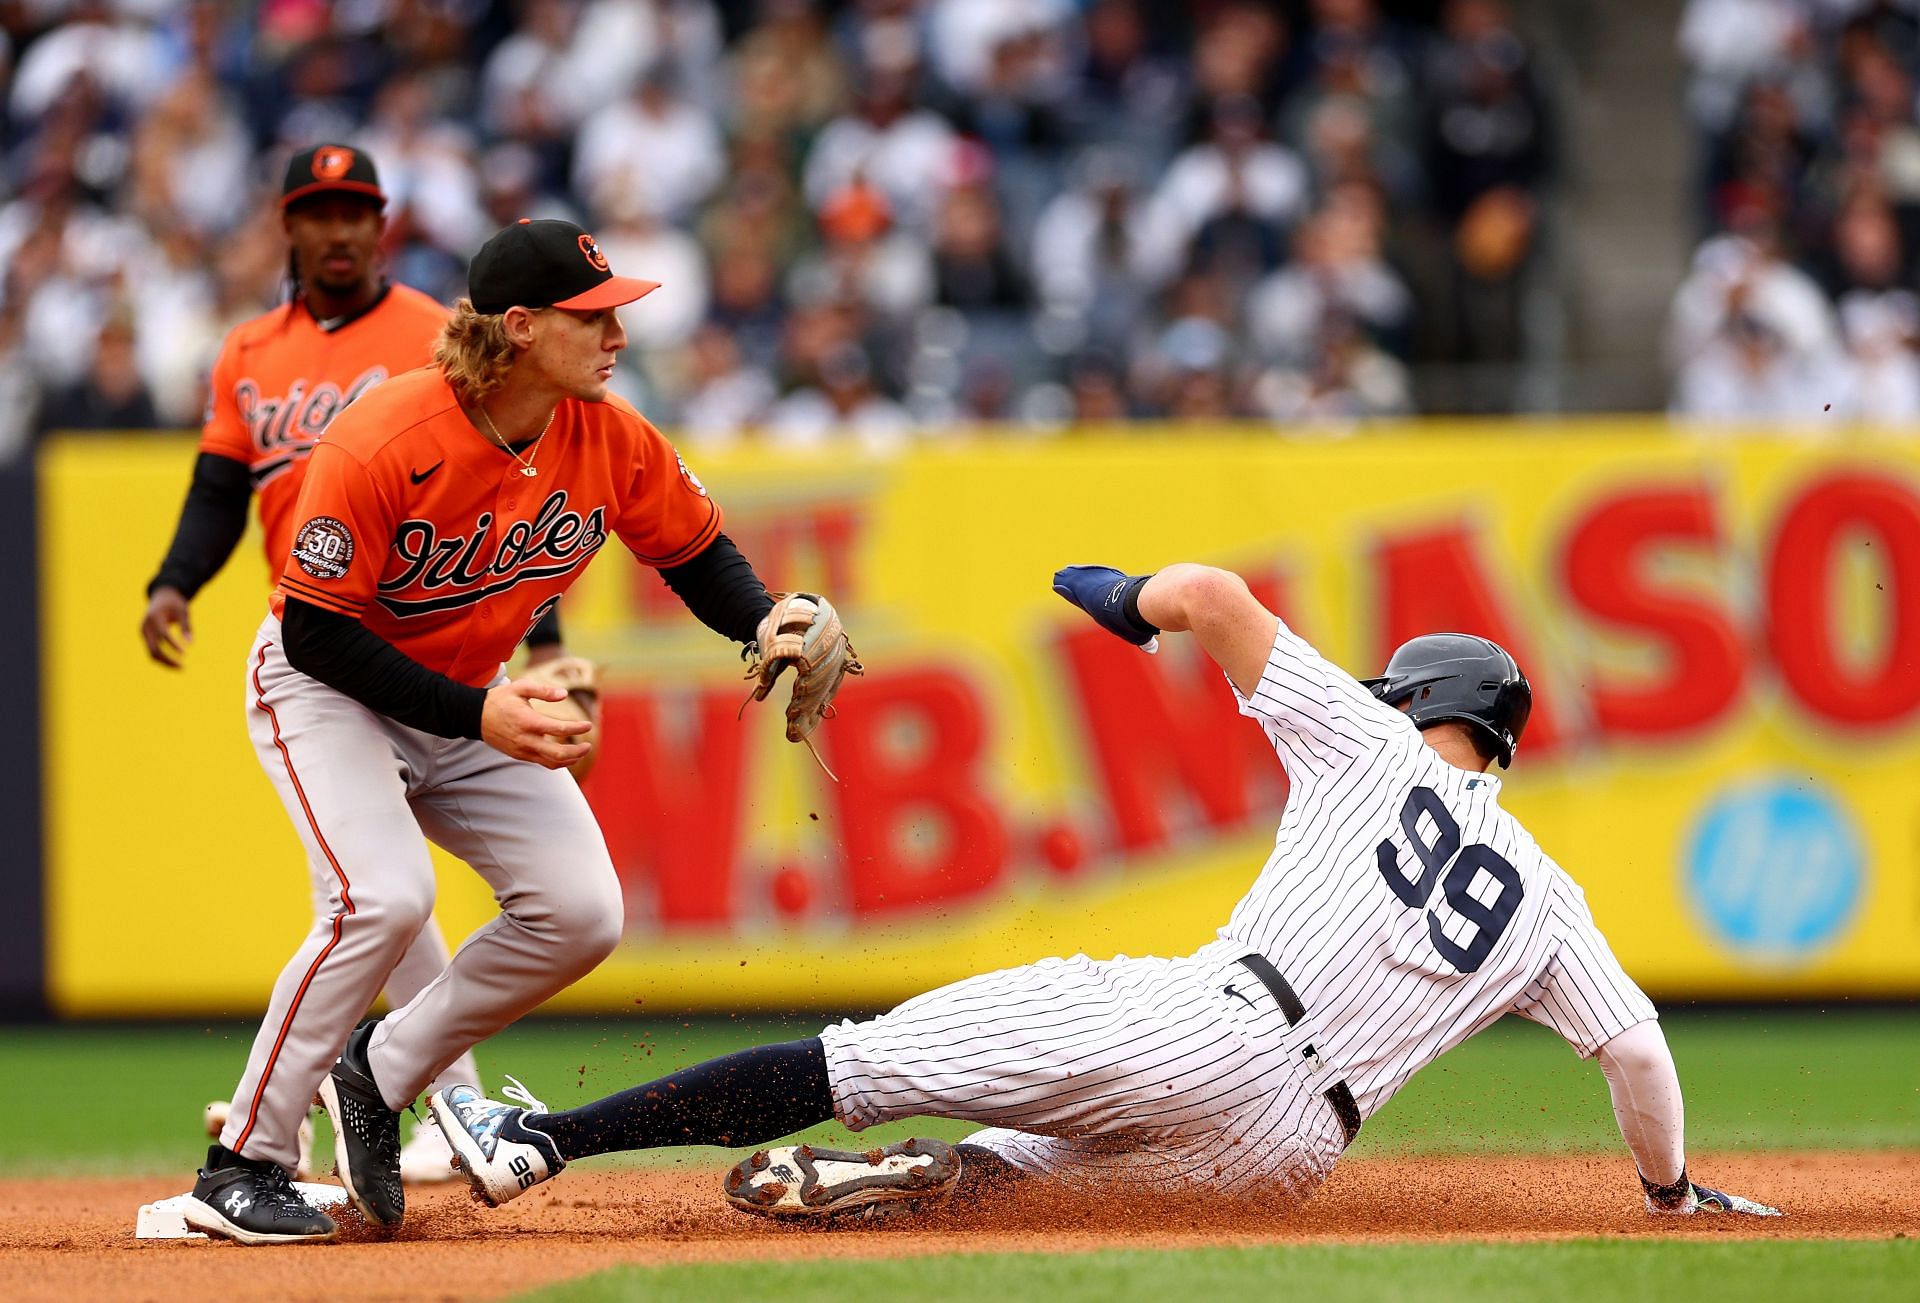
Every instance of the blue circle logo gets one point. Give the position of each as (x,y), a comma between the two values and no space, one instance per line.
(1775,868)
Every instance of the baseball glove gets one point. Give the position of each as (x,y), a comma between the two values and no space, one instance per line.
(581,680)
(803,631)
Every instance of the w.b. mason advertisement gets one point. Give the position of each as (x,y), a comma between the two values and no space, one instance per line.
(1723,637)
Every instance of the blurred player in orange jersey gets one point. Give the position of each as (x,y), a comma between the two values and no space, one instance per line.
(280,379)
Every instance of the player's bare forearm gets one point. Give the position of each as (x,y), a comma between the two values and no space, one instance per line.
(1175,596)
(1220,611)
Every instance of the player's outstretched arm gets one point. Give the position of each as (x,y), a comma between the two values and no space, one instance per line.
(1212,604)
(1646,1103)
(1218,609)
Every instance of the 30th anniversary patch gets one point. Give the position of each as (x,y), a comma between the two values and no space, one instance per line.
(324,548)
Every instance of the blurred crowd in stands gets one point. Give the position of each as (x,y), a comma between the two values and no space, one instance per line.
(1800,303)
(894,217)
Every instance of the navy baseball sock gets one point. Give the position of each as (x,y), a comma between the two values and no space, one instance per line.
(745,1098)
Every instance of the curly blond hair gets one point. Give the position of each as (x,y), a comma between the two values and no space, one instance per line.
(473,352)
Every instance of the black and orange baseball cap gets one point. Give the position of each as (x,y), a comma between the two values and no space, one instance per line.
(547,264)
(326,169)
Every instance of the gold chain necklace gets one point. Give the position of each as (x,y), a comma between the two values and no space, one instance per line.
(493,432)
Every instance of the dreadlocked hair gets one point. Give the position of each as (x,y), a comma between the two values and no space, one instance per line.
(473,352)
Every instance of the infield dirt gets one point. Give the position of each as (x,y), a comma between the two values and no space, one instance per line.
(73,1240)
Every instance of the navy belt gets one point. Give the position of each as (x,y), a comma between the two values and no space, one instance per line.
(1338,1096)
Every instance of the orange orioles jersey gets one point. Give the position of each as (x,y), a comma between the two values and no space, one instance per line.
(282,377)
(417,525)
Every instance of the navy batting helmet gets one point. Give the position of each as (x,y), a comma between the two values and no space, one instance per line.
(1457,676)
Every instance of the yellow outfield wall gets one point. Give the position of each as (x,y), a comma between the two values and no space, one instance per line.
(1723,636)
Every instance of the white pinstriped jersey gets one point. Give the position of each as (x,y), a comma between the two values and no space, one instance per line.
(1407,909)
(1404,907)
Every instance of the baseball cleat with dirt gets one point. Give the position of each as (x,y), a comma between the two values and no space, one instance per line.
(807,1181)
(1701,1201)
(501,1156)
(252,1203)
(366,1133)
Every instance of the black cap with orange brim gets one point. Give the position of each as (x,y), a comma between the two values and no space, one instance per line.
(547,264)
(330,169)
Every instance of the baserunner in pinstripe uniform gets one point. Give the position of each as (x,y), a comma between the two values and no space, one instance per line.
(1401,911)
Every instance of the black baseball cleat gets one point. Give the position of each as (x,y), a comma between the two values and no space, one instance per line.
(366,1133)
(252,1202)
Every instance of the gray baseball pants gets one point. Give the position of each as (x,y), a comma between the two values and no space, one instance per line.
(366,794)
(419,965)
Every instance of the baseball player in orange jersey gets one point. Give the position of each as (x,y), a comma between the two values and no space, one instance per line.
(283,376)
(443,514)
(279,381)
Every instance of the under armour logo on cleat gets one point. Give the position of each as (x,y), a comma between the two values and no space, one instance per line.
(238,1202)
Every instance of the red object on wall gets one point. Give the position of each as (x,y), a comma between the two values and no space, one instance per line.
(669,804)
(912,803)
(1435,582)
(1606,571)
(1164,729)
(1883,514)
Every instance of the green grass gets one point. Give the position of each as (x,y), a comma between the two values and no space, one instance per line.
(1592,1271)
(115,1099)
(1771,1079)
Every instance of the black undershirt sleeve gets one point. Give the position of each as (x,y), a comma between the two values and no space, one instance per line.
(211,523)
(344,654)
(721,590)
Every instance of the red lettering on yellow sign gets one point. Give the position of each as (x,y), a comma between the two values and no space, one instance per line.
(1164,733)
(1847,508)
(1607,570)
(916,816)
(669,803)
(912,801)
(1435,581)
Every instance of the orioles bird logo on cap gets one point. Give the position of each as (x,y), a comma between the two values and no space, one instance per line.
(592,251)
(332,164)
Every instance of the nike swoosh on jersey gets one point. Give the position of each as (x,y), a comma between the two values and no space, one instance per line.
(421,477)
